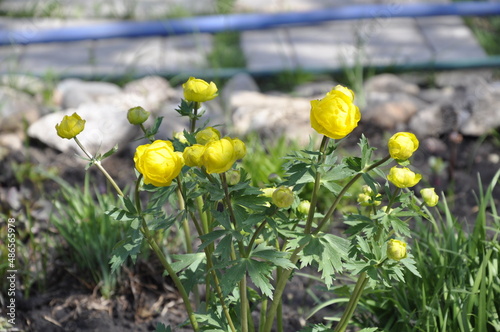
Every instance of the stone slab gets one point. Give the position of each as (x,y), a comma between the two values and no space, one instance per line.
(449,38)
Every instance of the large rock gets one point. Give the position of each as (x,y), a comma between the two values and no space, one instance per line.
(71,93)
(106,125)
(485,114)
(271,116)
(390,83)
(16,109)
(154,90)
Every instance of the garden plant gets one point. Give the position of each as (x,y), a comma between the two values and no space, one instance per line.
(244,243)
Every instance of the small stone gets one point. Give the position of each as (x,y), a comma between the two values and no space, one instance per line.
(237,83)
(392,115)
(390,83)
(427,122)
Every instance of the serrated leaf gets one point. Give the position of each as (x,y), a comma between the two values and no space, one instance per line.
(128,247)
(410,264)
(187,260)
(275,257)
(260,273)
(110,152)
(232,276)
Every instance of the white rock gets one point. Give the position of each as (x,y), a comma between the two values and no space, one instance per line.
(155,90)
(390,83)
(106,125)
(427,122)
(71,93)
(15,108)
(271,115)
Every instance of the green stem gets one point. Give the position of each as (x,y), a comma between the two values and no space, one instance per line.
(244,304)
(99,166)
(185,222)
(341,194)
(194,116)
(317,185)
(353,302)
(159,253)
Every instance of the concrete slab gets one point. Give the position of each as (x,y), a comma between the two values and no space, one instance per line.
(267,50)
(449,38)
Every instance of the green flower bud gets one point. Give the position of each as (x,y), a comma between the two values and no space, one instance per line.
(396,250)
(430,197)
(283,197)
(137,115)
(233,177)
(304,207)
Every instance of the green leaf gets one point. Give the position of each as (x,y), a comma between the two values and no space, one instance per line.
(233,275)
(260,273)
(160,327)
(410,264)
(128,247)
(154,129)
(187,260)
(275,257)
(109,153)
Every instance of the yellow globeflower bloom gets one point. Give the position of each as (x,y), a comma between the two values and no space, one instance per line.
(402,145)
(335,115)
(158,163)
(403,177)
(283,197)
(207,135)
(430,197)
(193,154)
(198,90)
(70,126)
(396,250)
(219,155)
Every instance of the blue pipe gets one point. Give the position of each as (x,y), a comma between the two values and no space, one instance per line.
(239,22)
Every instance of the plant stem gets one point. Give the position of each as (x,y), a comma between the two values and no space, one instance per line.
(317,185)
(341,194)
(99,166)
(159,253)
(353,302)
(194,116)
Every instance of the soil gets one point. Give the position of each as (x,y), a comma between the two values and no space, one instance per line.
(68,304)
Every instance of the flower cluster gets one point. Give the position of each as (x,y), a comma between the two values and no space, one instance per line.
(215,154)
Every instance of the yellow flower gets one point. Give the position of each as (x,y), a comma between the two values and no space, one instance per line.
(207,135)
(396,250)
(198,90)
(158,162)
(240,149)
(193,154)
(137,115)
(335,115)
(268,192)
(403,177)
(402,145)
(70,126)
(219,155)
(283,197)
(430,197)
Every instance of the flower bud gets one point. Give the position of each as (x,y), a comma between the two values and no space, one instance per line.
(283,197)
(335,115)
(403,177)
(396,250)
(233,177)
(207,135)
(70,126)
(304,207)
(240,148)
(193,155)
(198,90)
(430,197)
(137,115)
(402,145)
(268,192)
(158,162)
(179,135)
(219,156)
(366,189)
(364,199)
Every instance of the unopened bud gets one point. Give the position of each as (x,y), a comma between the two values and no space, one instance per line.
(137,115)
